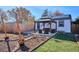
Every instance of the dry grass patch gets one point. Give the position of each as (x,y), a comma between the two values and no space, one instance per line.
(11,36)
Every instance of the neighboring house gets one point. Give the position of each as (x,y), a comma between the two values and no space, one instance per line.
(50,23)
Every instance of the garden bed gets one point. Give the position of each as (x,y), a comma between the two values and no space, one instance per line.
(35,42)
(32,42)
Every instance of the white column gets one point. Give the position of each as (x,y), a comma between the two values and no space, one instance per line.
(35,26)
(53,26)
(41,26)
(43,31)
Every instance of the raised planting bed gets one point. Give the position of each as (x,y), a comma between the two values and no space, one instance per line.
(35,42)
(32,42)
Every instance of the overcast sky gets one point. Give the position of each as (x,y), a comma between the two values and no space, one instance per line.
(38,10)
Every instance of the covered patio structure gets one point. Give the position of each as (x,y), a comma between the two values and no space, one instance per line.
(46,26)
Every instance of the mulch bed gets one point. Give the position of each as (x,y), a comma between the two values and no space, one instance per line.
(31,43)
(35,42)
(4,47)
(12,42)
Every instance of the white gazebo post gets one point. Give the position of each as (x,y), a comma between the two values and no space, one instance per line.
(37,31)
(43,31)
(36,28)
(50,29)
(41,27)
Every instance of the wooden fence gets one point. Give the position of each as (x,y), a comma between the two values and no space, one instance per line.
(75,28)
(11,27)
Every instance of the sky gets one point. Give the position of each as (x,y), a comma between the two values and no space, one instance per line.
(38,10)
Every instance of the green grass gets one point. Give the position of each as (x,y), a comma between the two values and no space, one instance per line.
(61,43)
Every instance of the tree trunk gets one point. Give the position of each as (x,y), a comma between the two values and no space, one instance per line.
(4,27)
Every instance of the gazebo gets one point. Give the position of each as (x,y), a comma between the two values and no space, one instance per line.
(45,25)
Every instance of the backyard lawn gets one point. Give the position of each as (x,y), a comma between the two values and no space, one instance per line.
(61,43)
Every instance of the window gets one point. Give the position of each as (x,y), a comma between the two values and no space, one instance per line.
(61,23)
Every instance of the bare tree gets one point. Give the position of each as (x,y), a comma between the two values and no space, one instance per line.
(3,18)
(15,14)
(20,14)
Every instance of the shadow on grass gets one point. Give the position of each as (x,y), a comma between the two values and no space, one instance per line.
(65,36)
